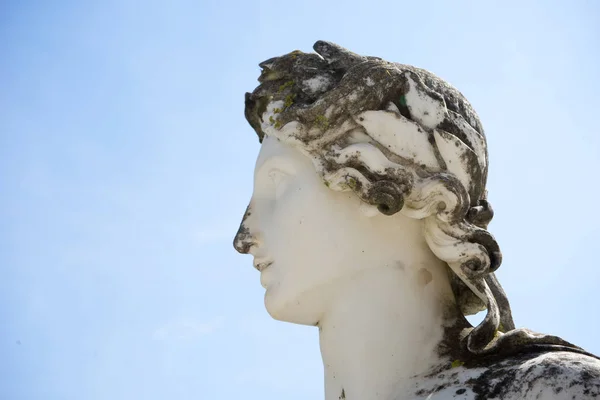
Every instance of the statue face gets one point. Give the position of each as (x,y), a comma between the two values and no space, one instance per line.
(305,237)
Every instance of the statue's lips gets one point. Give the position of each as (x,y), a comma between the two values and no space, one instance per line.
(266,273)
(261,265)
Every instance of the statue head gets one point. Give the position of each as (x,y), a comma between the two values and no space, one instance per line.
(362,158)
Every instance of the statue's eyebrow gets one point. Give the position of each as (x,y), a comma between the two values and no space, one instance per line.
(280,163)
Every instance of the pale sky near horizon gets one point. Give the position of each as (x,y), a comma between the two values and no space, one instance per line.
(126,164)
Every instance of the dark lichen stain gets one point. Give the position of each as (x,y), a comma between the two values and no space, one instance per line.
(508,379)
(243,239)
(522,376)
(439,388)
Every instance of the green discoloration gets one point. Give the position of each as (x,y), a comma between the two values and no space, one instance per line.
(275,122)
(286,85)
(269,75)
(352,183)
(322,122)
(289,100)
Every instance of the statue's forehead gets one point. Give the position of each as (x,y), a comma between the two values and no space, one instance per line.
(274,151)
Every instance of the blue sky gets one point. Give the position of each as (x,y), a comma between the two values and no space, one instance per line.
(126,164)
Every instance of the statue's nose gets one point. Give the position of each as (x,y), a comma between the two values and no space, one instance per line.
(243,238)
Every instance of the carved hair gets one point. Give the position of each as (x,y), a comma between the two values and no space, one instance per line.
(404,141)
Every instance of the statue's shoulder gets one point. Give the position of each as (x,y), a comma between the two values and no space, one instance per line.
(549,375)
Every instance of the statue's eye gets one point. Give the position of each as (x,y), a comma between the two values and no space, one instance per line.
(278,178)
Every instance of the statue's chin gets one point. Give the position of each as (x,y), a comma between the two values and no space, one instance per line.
(305,309)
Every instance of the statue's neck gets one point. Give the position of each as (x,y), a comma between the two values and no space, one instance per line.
(383,327)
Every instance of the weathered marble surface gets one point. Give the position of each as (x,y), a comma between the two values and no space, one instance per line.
(540,375)
(370,209)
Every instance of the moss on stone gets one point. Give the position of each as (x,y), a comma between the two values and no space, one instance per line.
(289,100)
(352,183)
(286,85)
(322,122)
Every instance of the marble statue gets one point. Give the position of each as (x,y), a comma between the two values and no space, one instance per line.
(369,220)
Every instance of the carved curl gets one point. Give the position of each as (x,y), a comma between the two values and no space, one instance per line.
(387,196)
